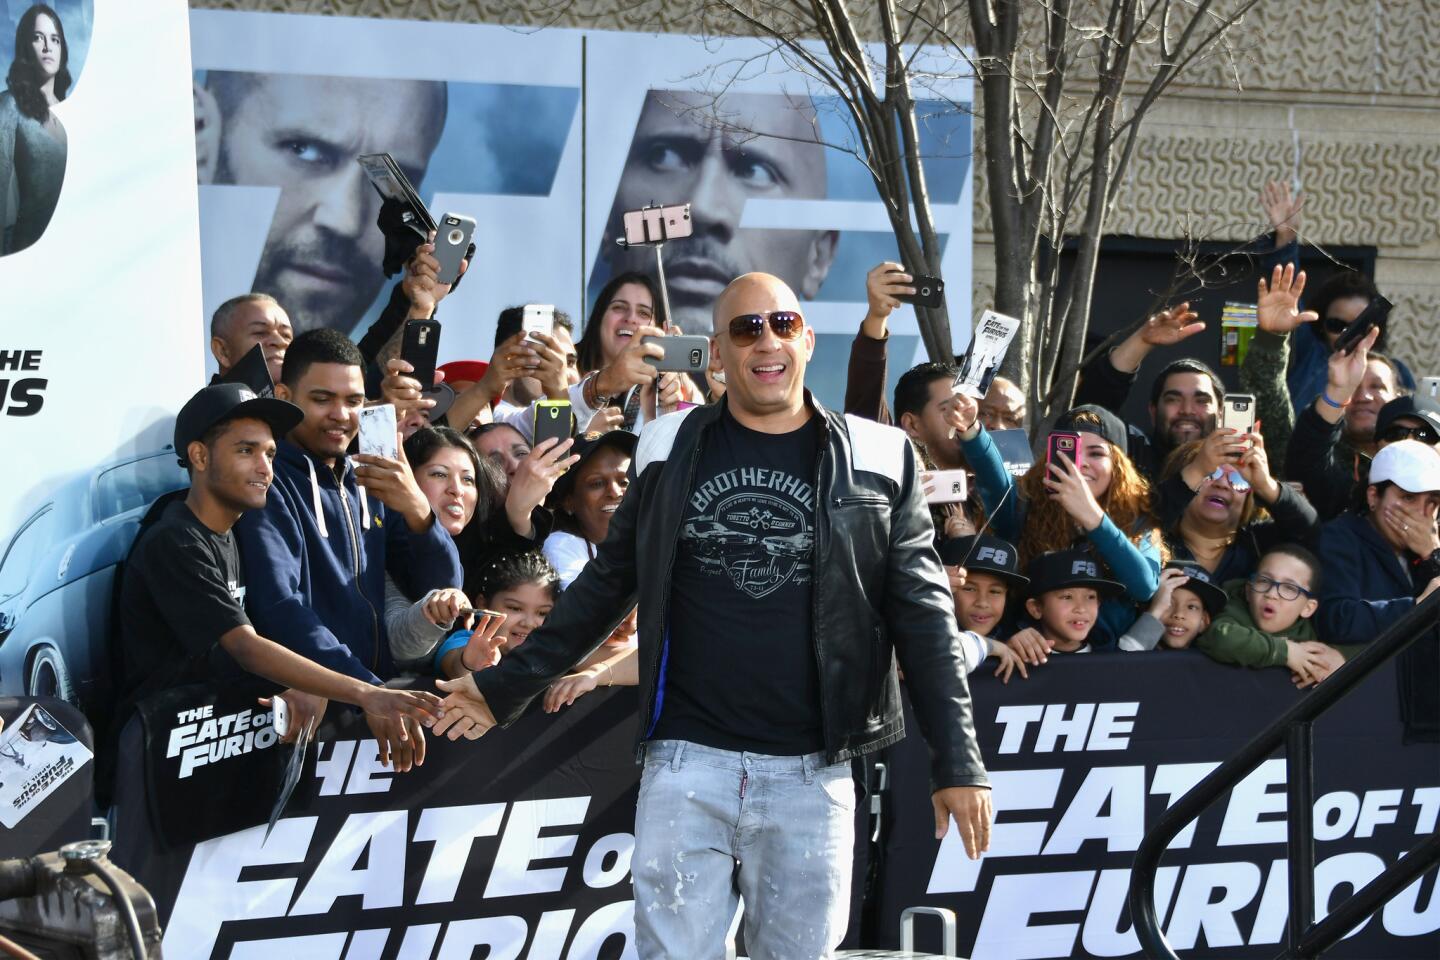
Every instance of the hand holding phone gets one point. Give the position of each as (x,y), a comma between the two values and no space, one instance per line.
(378,431)
(1238,413)
(452,240)
(929,291)
(553,420)
(683,354)
(945,486)
(281,711)
(537,318)
(1373,315)
(419,348)
(1062,444)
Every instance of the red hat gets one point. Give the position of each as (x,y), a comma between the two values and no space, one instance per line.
(463,371)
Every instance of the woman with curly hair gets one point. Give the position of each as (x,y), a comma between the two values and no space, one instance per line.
(32,141)
(1226,518)
(1103,506)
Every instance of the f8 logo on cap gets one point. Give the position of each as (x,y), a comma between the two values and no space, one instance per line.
(1084,566)
(1001,557)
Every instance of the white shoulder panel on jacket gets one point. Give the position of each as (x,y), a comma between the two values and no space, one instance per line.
(877,448)
(656,439)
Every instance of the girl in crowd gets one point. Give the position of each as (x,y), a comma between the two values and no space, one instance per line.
(630,301)
(1103,505)
(32,141)
(1228,513)
(585,499)
(462,490)
(521,588)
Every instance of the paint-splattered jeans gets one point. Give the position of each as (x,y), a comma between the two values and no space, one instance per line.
(788,821)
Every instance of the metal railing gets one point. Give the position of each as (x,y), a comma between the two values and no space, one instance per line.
(1306,939)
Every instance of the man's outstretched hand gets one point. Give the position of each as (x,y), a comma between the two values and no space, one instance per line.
(970,807)
(466,714)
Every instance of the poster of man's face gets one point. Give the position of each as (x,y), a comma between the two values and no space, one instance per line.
(716,153)
(547,140)
(322,258)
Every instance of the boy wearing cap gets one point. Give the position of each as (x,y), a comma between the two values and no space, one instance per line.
(182,599)
(982,570)
(1182,609)
(1266,622)
(1066,589)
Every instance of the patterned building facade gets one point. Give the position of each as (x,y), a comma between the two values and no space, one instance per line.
(1341,94)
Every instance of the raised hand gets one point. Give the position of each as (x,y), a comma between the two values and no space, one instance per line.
(1277,303)
(1345,371)
(534,479)
(443,607)
(884,285)
(482,650)
(421,283)
(403,390)
(1169,327)
(629,369)
(393,484)
(960,411)
(1282,210)
(1170,579)
(1067,486)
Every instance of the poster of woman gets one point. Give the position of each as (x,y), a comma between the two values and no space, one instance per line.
(42,66)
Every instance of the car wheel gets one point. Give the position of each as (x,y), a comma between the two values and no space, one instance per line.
(49,676)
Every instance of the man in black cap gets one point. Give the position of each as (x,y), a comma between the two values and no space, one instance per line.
(1182,608)
(1185,395)
(182,603)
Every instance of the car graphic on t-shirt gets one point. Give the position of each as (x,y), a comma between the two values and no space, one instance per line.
(711,535)
(796,545)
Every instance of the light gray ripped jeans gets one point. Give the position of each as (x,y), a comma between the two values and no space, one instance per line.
(789,821)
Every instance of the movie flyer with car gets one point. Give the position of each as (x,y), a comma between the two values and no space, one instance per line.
(37,754)
(987,351)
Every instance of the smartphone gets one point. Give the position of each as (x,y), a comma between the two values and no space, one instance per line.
(689,354)
(419,349)
(1238,413)
(947,486)
(1063,443)
(1429,387)
(377,431)
(281,711)
(553,418)
(929,291)
(657,224)
(451,242)
(538,318)
(1372,316)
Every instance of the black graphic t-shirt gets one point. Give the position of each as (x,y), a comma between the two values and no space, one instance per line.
(740,672)
(183,590)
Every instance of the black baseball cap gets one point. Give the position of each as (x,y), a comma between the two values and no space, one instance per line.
(1212,597)
(220,402)
(1110,427)
(1069,568)
(1421,408)
(586,446)
(984,554)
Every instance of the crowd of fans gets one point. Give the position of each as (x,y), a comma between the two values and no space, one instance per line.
(330,572)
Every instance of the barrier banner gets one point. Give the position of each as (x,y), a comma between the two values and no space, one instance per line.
(1090,749)
(519,842)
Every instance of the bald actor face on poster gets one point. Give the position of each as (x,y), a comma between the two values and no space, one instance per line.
(322,258)
(716,153)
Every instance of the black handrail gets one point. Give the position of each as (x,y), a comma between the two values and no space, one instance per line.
(1293,731)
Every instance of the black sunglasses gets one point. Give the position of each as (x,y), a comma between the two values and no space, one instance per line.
(1398,432)
(747,328)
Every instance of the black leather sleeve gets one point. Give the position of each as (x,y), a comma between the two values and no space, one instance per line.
(582,618)
(919,615)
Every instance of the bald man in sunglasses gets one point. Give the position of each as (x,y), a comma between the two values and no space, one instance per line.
(781,556)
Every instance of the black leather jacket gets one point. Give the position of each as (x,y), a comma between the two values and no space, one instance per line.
(879,592)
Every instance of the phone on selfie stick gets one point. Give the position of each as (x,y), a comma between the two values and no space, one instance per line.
(652,226)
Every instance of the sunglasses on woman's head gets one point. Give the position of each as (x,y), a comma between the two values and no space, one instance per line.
(746,329)
(1398,432)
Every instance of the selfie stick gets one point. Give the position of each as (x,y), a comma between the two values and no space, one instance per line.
(652,226)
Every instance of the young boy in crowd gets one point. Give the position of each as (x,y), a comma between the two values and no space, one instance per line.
(1065,593)
(1182,609)
(1267,620)
(982,570)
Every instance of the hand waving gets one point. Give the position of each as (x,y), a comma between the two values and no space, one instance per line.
(1169,327)
(1277,305)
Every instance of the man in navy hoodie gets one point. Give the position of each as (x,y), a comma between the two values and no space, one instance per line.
(317,555)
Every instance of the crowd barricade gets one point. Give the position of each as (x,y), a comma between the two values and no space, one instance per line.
(520,842)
